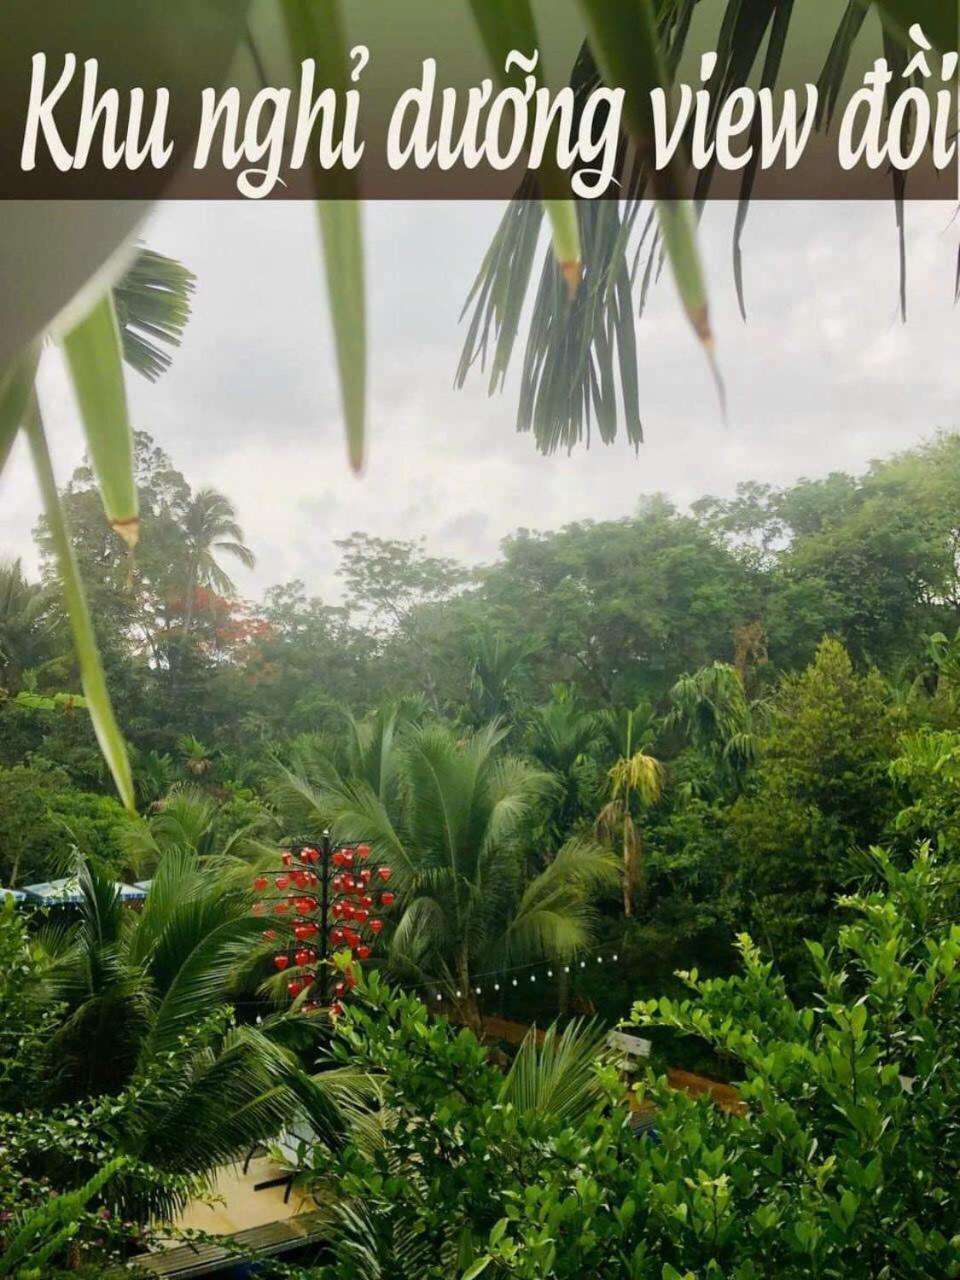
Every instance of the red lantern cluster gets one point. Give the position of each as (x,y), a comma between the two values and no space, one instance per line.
(297,893)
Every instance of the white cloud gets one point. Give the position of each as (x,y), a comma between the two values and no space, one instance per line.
(822,376)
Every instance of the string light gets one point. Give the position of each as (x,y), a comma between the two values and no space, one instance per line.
(533,977)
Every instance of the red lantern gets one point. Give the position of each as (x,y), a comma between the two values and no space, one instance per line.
(311,928)
(363,953)
(351,981)
(339,989)
(366,901)
(286,858)
(361,915)
(260,883)
(385,873)
(300,879)
(387,899)
(337,935)
(304,906)
(281,962)
(269,934)
(281,882)
(302,957)
(337,858)
(294,988)
(314,855)
(363,851)
(280,908)
(257,908)
(336,1009)
(376,925)
(365,875)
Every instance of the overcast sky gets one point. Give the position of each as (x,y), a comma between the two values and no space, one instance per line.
(823,376)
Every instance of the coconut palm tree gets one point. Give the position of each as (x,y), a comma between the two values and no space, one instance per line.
(451,829)
(352,749)
(636,781)
(211,530)
(142,996)
(185,821)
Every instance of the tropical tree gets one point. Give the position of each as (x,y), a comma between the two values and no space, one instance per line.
(711,709)
(636,782)
(152,985)
(497,664)
(211,530)
(188,820)
(429,1214)
(353,750)
(565,739)
(452,830)
(27,626)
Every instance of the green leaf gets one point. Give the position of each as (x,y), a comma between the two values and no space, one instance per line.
(342,236)
(152,303)
(479,1266)
(317,32)
(623,37)
(95,359)
(505,25)
(937,20)
(15,387)
(91,669)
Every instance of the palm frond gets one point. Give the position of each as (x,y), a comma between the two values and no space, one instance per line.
(152,302)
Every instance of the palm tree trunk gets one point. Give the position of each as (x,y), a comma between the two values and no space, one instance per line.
(628,875)
(468,1011)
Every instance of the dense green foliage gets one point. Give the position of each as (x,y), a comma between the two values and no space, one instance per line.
(642,736)
(765,668)
(842,1161)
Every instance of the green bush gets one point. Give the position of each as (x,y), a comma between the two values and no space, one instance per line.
(844,1160)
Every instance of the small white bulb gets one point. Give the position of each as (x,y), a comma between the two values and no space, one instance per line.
(614,956)
(459,994)
(566,968)
(549,973)
(477,990)
(583,964)
(533,977)
(514,982)
(439,996)
(496,986)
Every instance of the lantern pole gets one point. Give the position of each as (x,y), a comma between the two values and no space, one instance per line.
(324,917)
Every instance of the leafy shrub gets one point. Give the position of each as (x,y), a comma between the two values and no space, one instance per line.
(843,1160)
